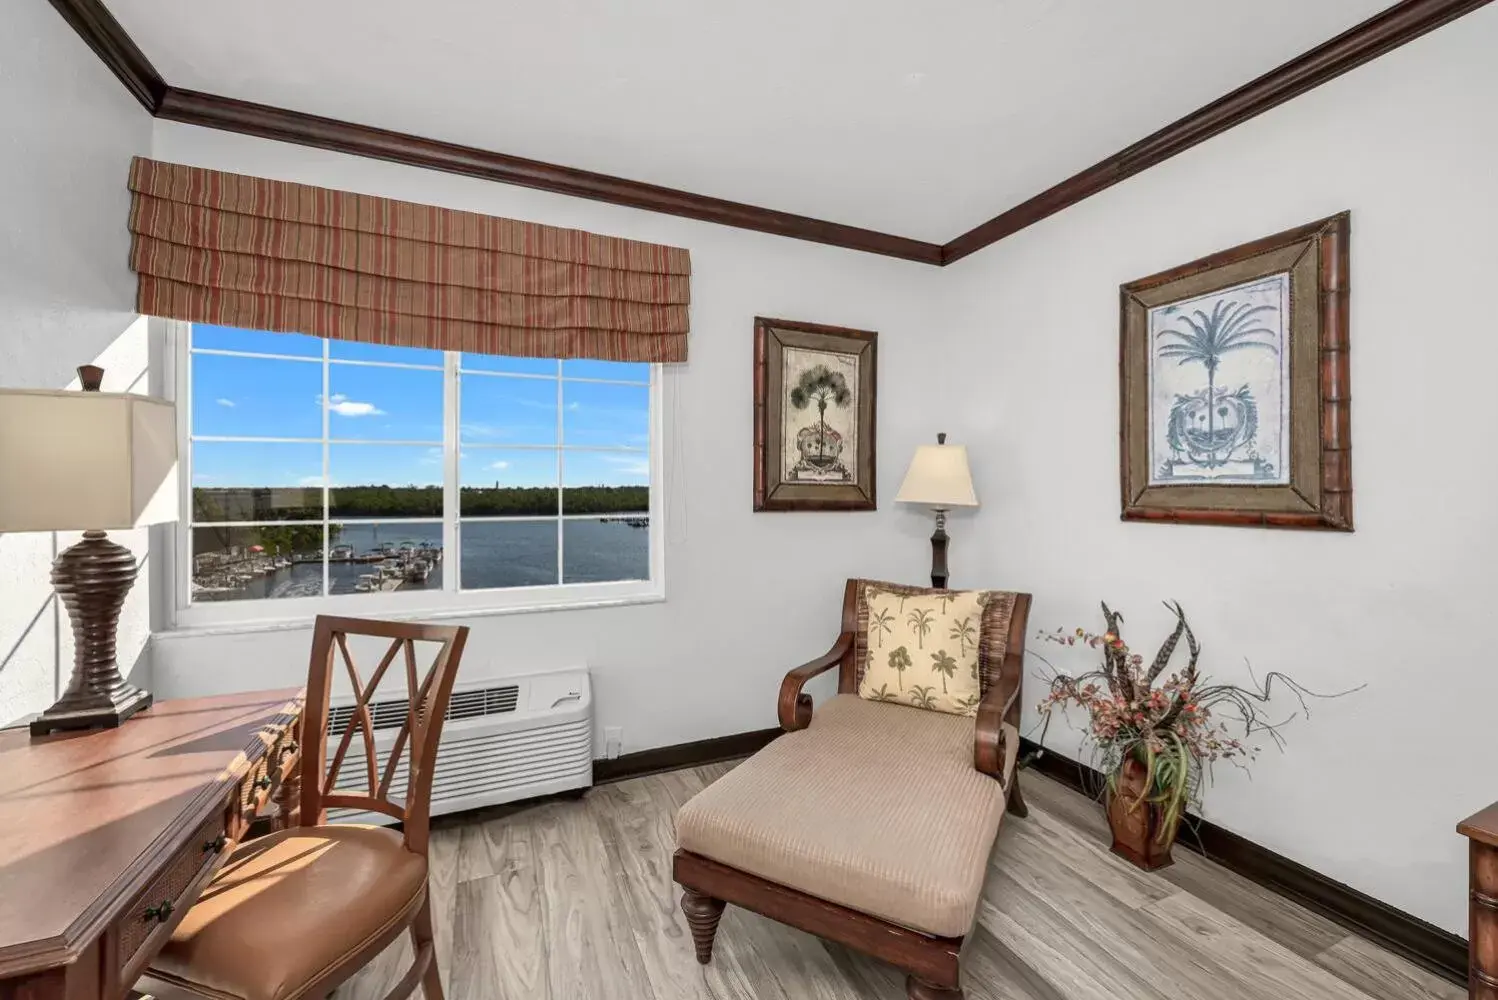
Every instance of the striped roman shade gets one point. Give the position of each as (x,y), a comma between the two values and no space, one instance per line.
(214,247)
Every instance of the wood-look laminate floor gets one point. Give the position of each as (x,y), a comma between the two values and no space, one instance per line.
(574,899)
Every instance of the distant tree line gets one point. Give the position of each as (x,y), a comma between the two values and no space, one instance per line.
(268,504)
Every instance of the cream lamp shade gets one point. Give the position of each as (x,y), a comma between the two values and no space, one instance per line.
(939,477)
(72,461)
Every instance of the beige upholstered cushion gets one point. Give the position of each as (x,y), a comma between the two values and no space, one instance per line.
(923,649)
(875,807)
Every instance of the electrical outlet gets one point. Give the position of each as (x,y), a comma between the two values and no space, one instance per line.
(613,741)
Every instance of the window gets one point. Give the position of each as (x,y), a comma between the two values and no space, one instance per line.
(332,476)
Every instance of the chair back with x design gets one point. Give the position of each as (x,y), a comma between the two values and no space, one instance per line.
(427,692)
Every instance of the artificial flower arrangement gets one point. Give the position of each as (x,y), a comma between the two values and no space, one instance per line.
(1156,733)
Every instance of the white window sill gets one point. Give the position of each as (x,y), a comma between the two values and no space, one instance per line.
(432,612)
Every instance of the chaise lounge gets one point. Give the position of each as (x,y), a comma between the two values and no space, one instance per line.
(869,823)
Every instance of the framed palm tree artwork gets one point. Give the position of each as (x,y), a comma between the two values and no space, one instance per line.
(1234,386)
(814,395)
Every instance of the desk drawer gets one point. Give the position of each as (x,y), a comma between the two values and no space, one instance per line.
(152,914)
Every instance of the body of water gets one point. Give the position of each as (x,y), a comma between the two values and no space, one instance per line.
(496,554)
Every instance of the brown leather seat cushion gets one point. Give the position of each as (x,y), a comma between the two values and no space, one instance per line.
(289,907)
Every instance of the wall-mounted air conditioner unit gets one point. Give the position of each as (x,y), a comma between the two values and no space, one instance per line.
(505,739)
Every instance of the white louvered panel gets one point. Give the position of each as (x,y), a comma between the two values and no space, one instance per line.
(512,759)
(502,742)
(390,713)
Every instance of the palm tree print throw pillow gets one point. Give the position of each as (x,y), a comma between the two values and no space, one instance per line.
(923,650)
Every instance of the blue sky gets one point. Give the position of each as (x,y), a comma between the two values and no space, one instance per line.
(263,397)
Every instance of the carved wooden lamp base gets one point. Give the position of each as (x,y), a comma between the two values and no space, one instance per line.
(92,579)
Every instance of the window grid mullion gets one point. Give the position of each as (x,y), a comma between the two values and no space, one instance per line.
(452,485)
(182,391)
(327,479)
(561,480)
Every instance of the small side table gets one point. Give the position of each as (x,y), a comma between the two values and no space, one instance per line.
(1481,829)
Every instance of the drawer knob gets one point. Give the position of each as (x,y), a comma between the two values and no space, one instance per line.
(262,782)
(161,913)
(215,845)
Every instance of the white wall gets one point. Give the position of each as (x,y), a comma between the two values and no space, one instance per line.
(1370,789)
(68,130)
(748,595)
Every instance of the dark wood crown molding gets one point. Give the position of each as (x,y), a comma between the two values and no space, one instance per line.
(1401,23)
(268,122)
(102,33)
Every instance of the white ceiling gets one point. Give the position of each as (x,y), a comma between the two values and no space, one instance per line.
(916,117)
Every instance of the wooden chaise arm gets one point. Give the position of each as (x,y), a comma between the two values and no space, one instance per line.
(795,707)
(988,746)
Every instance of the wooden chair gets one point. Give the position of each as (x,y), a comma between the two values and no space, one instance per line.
(777,834)
(295,914)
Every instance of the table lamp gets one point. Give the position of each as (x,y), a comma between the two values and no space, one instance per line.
(939,478)
(88,460)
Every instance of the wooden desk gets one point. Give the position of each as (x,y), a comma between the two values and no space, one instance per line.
(1482,903)
(107,837)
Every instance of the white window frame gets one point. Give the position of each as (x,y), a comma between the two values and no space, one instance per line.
(183,616)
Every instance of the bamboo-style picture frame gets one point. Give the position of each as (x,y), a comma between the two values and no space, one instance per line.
(814,416)
(1235,406)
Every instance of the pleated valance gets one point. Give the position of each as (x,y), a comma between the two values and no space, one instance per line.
(215,247)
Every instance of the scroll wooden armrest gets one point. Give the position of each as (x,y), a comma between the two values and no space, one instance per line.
(795,707)
(988,746)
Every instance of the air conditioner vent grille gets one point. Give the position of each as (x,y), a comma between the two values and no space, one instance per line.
(391,713)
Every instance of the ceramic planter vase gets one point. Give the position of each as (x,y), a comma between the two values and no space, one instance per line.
(1140,833)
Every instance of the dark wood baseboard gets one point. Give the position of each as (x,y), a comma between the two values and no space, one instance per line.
(1428,946)
(682,755)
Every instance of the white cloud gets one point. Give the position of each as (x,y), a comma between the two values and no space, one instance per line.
(574,406)
(201,478)
(343,406)
(500,465)
(225,402)
(310,481)
(349,408)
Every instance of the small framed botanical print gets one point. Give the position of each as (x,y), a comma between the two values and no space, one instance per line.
(814,389)
(1236,407)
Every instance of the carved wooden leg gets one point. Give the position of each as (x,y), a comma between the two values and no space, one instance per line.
(1016,802)
(289,794)
(1482,978)
(703,914)
(421,937)
(916,989)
